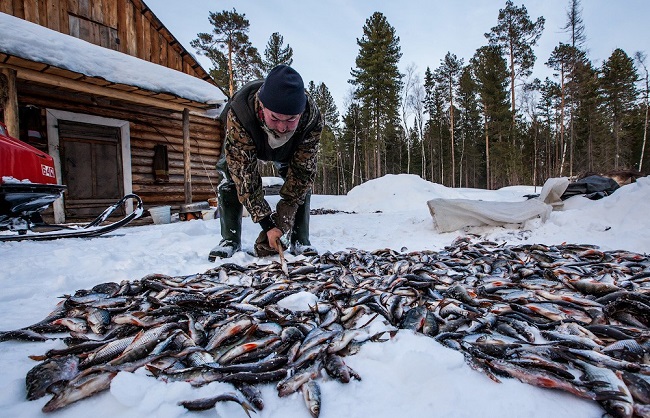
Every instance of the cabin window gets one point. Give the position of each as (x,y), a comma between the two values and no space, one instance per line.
(160,164)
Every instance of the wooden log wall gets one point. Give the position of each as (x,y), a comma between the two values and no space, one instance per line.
(9,101)
(148,127)
(128,26)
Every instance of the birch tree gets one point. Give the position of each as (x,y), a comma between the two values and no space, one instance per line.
(447,75)
(561,60)
(407,89)
(576,29)
(640,58)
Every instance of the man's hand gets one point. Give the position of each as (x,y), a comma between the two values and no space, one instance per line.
(267,243)
(274,236)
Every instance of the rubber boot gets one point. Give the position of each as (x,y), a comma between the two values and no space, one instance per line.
(300,234)
(230,214)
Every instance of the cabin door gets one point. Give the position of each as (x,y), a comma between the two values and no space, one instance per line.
(91,165)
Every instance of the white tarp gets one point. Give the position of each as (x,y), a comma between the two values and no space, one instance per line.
(453,214)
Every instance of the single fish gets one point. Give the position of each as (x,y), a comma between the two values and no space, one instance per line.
(317,337)
(80,388)
(414,318)
(336,368)
(42,377)
(107,352)
(22,335)
(254,378)
(227,331)
(265,365)
(247,348)
(638,386)
(73,324)
(98,320)
(80,348)
(606,384)
(540,378)
(143,343)
(283,261)
(251,393)
(208,403)
(311,395)
(291,384)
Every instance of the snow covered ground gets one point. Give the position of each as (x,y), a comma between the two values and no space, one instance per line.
(409,376)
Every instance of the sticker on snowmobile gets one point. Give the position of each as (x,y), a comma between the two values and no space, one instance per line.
(47,171)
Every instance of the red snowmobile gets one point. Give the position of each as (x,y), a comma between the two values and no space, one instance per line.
(28,186)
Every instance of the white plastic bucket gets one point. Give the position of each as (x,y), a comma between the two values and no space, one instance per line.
(161,214)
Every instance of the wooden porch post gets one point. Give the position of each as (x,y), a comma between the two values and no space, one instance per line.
(186,156)
(9,100)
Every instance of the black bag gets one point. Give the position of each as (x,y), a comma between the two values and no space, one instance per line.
(593,187)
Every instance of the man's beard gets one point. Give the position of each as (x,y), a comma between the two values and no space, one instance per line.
(277,139)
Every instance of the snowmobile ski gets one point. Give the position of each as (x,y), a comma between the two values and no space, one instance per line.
(93,229)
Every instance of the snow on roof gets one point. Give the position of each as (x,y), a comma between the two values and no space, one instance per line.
(36,43)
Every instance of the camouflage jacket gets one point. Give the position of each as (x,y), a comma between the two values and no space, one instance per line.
(244,146)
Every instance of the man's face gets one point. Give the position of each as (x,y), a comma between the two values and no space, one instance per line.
(280,124)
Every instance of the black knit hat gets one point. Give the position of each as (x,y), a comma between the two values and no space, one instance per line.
(283,91)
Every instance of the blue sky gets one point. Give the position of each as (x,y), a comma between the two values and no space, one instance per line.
(323,33)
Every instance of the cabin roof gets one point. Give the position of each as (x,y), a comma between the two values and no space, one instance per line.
(28,45)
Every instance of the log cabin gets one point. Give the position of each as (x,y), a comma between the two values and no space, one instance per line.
(122,107)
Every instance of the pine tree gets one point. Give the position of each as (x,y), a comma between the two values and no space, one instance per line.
(589,118)
(429,83)
(331,171)
(435,133)
(241,62)
(470,127)
(516,34)
(220,71)
(248,66)
(575,25)
(618,82)
(430,109)
(491,75)
(325,102)
(275,54)
(377,83)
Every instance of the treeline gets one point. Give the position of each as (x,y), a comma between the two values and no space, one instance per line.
(480,122)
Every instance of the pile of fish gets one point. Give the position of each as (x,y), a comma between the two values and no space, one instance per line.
(568,317)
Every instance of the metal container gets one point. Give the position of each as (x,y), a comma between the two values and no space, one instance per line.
(189,211)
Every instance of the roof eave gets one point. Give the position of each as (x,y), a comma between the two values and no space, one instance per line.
(60,77)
